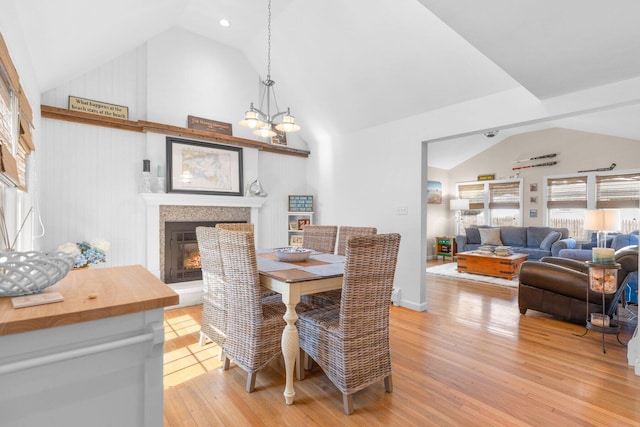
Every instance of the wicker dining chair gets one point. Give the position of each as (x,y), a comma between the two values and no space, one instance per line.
(328,298)
(321,238)
(350,342)
(214,319)
(345,231)
(236,226)
(254,324)
(243,226)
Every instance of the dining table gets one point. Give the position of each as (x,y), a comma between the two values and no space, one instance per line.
(318,273)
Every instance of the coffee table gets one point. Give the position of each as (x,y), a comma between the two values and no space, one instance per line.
(505,267)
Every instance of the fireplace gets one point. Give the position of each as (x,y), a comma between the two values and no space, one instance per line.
(170,207)
(182,257)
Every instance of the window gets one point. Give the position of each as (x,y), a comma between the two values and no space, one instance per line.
(618,191)
(15,124)
(492,202)
(569,197)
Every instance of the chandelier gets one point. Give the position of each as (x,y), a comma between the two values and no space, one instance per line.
(263,122)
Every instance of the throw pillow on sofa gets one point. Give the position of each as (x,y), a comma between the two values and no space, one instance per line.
(490,236)
(551,238)
(473,233)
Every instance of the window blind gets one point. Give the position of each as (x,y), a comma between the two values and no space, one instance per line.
(567,192)
(504,195)
(474,193)
(16,118)
(618,191)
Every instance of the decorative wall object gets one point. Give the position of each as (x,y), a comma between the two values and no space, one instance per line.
(199,123)
(533,213)
(533,187)
(99,108)
(280,138)
(300,203)
(203,168)
(489,177)
(434,192)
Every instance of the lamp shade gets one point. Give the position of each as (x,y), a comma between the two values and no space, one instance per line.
(458,204)
(602,220)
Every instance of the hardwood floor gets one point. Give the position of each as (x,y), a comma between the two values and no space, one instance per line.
(470,360)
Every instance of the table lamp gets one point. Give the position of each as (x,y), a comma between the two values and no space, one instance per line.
(458,205)
(602,221)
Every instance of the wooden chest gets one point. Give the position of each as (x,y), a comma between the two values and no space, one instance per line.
(506,267)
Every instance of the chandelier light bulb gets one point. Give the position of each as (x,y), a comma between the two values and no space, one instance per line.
(265,131)
(288,124)
(251,120)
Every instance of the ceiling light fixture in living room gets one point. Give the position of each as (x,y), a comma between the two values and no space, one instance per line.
(264,121)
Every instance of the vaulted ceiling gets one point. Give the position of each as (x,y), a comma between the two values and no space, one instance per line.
(369,62)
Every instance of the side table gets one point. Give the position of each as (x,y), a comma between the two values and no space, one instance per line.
(603,278)
(445,247)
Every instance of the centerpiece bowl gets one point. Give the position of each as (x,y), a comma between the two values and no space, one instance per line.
(293,254)
(24,273)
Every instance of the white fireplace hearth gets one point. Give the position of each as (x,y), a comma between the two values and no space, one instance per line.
(163,207)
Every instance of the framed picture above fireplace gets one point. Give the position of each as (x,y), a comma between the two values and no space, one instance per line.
(203,168)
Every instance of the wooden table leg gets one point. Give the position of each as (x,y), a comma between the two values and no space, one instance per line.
(290,348)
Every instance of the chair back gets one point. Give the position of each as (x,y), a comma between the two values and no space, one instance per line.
(235,226)
(214,320)
(369,271)
(321,238)
(242,282)
(344,232)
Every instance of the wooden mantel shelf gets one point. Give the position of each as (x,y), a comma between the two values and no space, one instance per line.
(56,113)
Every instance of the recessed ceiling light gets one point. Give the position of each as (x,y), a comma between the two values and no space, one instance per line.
(225,22)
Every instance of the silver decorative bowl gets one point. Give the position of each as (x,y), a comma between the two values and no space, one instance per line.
(293,254)
(24,273)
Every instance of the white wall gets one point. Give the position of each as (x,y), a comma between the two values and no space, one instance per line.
(363,176)
(575,151)
(357,178)
(90,182)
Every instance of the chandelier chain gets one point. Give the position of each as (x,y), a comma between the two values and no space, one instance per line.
(269,44)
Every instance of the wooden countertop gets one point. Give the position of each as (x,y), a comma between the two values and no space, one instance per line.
(117,291)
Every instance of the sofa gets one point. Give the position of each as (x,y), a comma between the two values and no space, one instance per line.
(616,242)
(537,242)
(558,286)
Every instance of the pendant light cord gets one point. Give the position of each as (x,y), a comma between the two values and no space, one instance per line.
(269,44)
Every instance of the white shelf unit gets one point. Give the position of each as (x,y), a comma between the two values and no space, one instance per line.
(294,224)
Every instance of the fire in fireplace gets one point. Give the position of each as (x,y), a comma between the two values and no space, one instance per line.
(182,258)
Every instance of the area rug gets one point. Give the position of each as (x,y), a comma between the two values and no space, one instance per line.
(450,269)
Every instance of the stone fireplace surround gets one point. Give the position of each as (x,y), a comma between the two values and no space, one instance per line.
(161,208)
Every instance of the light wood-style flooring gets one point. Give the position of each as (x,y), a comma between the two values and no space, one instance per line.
(471,359)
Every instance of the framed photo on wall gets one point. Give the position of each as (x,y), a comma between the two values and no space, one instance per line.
(280,138)
(533,213)
(434,192)
(203,168)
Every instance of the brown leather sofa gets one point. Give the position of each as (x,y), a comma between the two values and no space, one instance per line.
(558,286)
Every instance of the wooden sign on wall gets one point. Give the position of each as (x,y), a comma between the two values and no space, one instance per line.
(300,203)
(199,123)
(99,108)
